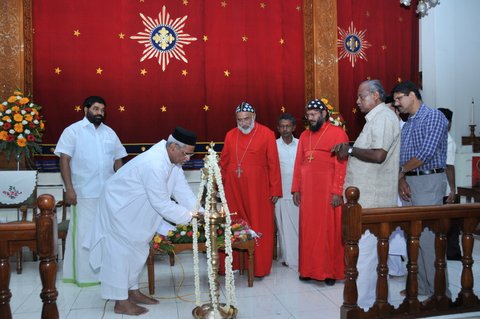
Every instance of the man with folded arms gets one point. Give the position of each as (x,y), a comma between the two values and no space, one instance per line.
(422,179)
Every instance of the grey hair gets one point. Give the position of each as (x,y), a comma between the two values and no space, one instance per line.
(376,86)
(173,140)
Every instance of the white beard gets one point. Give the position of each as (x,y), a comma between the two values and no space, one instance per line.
(248,129)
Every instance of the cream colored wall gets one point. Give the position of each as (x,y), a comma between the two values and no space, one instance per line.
(450,64)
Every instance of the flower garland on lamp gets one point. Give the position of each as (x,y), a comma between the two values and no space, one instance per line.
(21,127)
(212,178)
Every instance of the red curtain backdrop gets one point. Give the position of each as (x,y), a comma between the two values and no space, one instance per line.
(390,47)
(244,51)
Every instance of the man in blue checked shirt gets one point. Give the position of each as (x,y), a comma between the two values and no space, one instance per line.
(422,179)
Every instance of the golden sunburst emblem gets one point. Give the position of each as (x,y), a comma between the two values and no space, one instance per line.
(163,38)
(352,44)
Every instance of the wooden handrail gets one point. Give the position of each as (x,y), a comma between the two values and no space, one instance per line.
(40,236)
(381,222)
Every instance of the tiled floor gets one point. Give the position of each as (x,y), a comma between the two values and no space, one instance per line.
(278,296)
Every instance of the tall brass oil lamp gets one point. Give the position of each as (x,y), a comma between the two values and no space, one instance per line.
(216,218)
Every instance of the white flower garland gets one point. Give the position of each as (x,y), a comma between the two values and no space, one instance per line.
(195,244)
(195,262)
(214,174)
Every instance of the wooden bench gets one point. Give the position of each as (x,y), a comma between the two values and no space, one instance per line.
(243,246)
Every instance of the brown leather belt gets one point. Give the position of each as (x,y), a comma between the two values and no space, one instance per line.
(425,172)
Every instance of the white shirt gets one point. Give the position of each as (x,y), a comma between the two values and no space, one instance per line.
(286,154)
(451,149)
(93,152)
(378,183)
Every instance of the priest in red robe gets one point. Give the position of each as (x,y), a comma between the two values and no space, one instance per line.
(252,182)
(317,189)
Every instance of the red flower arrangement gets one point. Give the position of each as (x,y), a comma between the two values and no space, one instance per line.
(183,234)
(21,126)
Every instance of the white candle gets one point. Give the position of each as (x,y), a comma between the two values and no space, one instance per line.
(472,119)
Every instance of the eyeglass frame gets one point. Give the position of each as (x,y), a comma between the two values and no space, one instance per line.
(399,97)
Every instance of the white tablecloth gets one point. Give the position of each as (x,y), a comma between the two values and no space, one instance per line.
(16,186)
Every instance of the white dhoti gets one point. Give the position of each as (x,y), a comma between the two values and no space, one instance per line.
(287,217)
(120,272)
(76,266)
(367,270)
(397,249)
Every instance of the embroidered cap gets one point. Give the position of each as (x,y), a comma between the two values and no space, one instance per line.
(184,136)
(316,104)
(245,107)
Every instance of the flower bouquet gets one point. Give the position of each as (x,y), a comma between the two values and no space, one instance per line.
(240,232)
(160,244)
(21,126)
(183,234)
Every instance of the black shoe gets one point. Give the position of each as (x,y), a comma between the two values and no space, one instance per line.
(304,278)
(329,281)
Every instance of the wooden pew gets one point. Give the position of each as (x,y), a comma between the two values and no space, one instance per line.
(381,222)
(39,236)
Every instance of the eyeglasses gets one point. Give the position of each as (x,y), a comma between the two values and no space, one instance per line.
(188,154)
(398,98)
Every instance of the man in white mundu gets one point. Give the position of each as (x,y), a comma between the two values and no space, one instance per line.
(286,213)
(373,163)
(135,203)
(90,152)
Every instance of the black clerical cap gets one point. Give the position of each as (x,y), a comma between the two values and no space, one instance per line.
(316,104)
(184,136)
(244,107)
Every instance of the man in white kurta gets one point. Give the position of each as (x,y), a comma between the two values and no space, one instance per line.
(89,152)
(134,204)
(397,244)
(286,213)
(373,167)
(453,242)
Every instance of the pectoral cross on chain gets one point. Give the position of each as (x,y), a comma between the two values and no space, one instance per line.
(310,158)
(239,171)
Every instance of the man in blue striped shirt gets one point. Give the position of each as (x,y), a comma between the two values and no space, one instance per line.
(422,179)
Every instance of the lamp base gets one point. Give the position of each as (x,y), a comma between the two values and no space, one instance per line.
(206,311)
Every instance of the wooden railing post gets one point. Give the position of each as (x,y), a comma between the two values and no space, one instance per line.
(466,297)
(5,293)
(351,232)
(382,268)
(47,234)
(412,266)
(440,287)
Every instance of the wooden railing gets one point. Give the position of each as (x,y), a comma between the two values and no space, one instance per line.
(381,222)
(39,236)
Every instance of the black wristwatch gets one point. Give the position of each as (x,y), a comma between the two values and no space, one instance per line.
(350,151)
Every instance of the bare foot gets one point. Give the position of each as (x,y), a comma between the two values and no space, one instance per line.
(137,297)
(127,307)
